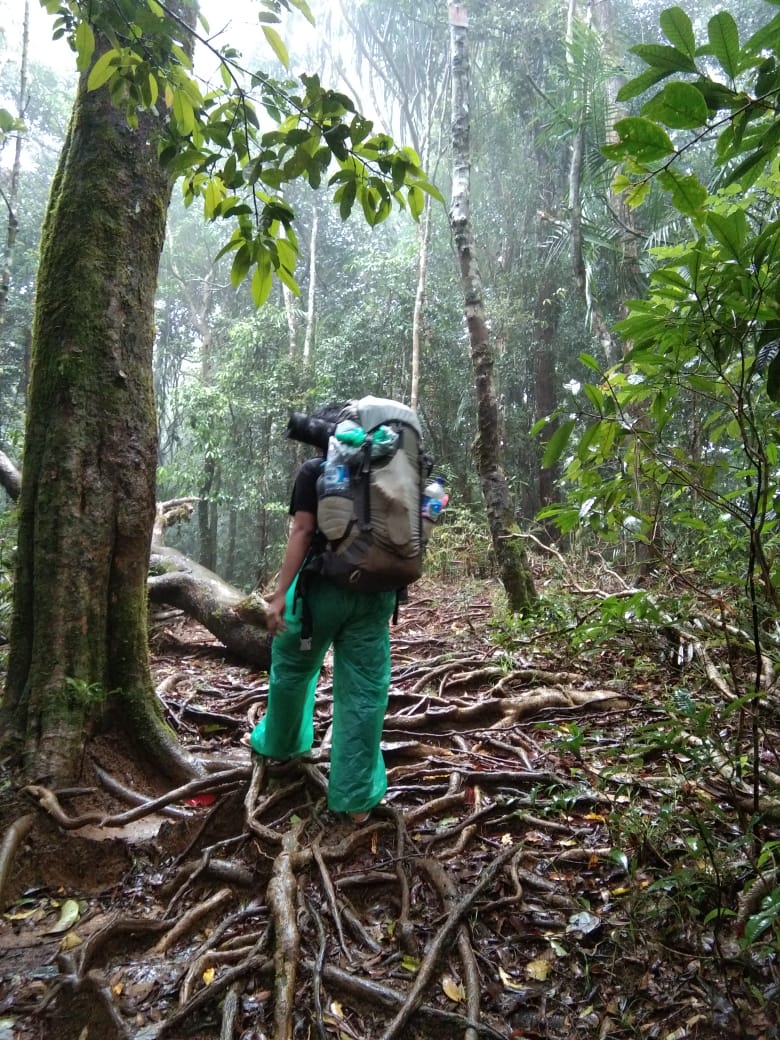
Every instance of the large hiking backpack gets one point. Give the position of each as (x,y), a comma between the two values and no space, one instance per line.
(370,497)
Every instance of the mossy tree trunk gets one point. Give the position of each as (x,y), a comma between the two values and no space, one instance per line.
(79,651)
(513,568)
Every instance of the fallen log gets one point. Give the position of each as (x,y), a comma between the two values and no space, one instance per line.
(180,582)
(237,620)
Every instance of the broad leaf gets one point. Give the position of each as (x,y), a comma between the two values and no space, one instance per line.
(724,41)
(717,96)
(639,84)
(766,38)
(85,45)
(661,57)
(278,45)
(556,444)
(590,362)
(305,10)
(678,30)
(731,232)
(688,193)
(679,106)
(103,69)
(262,281)
(640,139)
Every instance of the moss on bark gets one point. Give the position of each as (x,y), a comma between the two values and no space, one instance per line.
(88,487)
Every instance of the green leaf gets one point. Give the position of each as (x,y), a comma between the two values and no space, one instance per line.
(678,30)
(591,435)
(669,59)
(688,193)
(768,78)
(183,112)
(305,10)
(241,264)
(103,69)
(85,45)
(724,41)
(590,362)
(262,281)
(278,45)
(640,139)
(556,444)
(747,172)
(717,96)
(639,84)
(595,396)
(416,202)
(765,38)
(345,196)
(679,106)
(637,194)
(731,232)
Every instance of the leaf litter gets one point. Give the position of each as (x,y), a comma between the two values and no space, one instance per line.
(561,854)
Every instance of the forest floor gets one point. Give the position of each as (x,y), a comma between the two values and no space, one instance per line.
(567,850)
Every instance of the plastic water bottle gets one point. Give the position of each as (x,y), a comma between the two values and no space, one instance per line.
(335,474)
(336,505)
(434,499)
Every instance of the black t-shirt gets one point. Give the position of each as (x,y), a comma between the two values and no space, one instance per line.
(304,492)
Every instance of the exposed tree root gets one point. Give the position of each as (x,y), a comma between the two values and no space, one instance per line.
(277,918)
(12,839)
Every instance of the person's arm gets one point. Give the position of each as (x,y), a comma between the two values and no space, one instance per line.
(298,544)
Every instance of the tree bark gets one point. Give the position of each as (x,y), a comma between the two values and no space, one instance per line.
(513,567)
(236,619)
(79,649)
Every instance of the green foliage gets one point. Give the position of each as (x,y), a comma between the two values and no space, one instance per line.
(460,547)
(216,141)
(681,437)
(9,124)
(80,695)
(733,94)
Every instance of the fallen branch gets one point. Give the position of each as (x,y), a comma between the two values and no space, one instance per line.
(447,893)
(281,896)
(376,992)
(443,936)
(193,917)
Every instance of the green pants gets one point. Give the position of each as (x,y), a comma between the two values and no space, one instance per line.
(356,625)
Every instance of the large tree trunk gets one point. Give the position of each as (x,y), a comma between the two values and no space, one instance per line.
(79,634)
(513,568)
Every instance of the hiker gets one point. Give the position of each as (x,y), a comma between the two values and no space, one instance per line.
(308,613)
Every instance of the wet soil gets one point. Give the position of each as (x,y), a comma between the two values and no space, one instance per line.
(566,851)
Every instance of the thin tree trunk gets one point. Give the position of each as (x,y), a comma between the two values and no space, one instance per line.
(13,192)
(292,321)
(311,297)
(513,567)
(546,315)
(575,162)
(424,238)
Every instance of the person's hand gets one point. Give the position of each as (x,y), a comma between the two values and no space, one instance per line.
(275,613)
